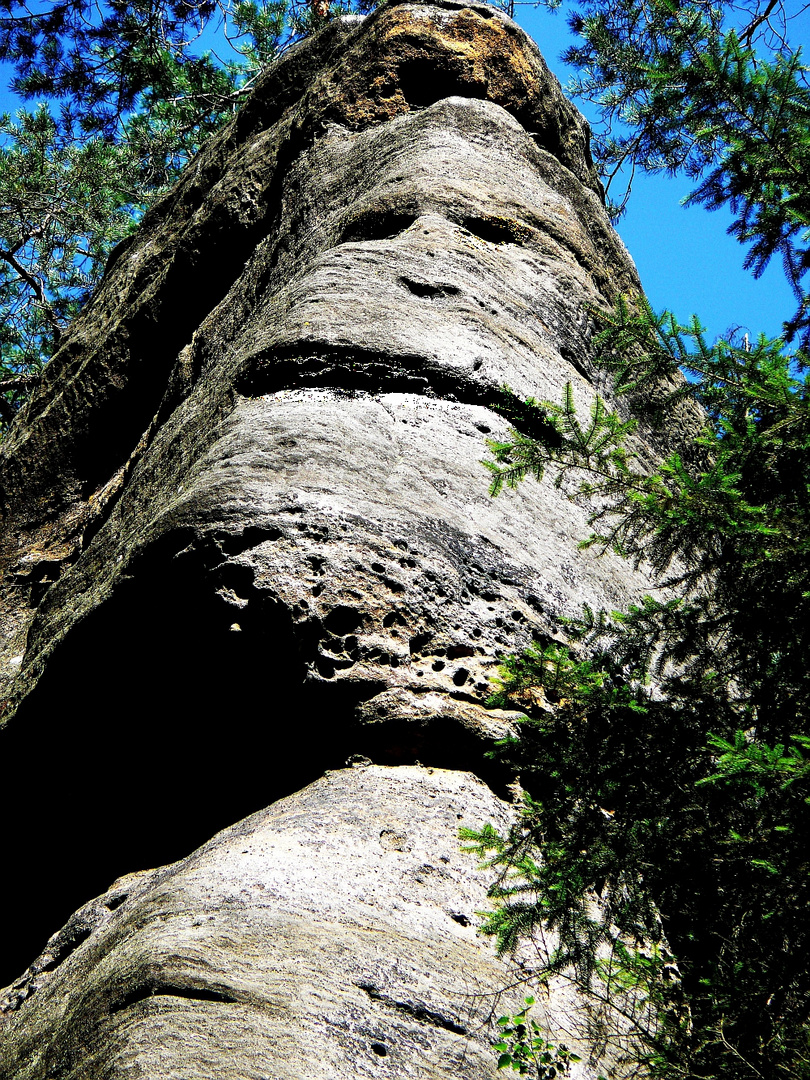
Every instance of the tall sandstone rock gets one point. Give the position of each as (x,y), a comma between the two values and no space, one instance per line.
(247,538)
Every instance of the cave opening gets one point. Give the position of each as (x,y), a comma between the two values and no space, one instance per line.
(155,725)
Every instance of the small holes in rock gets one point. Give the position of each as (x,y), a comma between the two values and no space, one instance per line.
(423,82)
(418,642)
(376,225)
(438,665)
(380,1049)
(457,916)
(326,669)
(494,230)
(461,676)
(342,620)
(455,652)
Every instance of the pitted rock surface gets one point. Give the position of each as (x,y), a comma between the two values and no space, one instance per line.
(246,529)
(356,227)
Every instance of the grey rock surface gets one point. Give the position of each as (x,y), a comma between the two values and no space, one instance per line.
(380,233)
(247,534)
(330,936)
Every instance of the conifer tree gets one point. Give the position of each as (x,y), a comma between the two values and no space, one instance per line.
(718,92)
(119,95)
(667,747)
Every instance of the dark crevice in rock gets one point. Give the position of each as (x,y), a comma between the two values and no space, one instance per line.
(153,990)
(111,428)
(415,1009)
(458,695)
(424,80)
(587,370)
(299,138)
(427,290)
(115,901)
(102,502)
(153,727)
(353,370)
(235,543)
(496,230)
(480,8)
(120,249)
(438,741)
(376,225)
(67,943)
(427,80)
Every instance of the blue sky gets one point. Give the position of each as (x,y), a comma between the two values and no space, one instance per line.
(687,261)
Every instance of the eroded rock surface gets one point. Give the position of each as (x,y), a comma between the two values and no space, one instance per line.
(332,935)
(246,530)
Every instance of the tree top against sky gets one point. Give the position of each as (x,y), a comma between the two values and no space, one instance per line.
(130,88)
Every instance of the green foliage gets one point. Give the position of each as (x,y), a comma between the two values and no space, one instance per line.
(596,446)
(725,515)
(666,746)
(715,90)
(64,204)
(124,97)
(523,1048)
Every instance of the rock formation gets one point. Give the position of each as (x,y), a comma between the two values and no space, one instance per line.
(247,535)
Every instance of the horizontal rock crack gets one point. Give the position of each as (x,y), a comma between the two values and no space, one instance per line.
(152,990)
(415,1009)
(354,370)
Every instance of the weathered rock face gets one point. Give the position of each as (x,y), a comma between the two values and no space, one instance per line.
(247,534)
(332,935)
